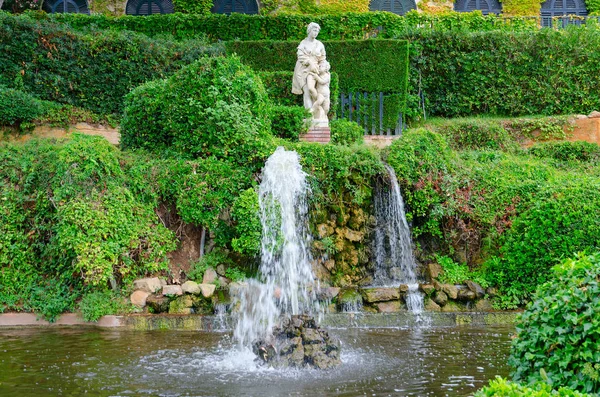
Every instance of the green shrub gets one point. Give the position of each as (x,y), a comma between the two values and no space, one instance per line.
(210,260)
(345,132)
(289,122)
(197,7)
(245,212)
(213,107)
(96,304)
(50,299)
(18,108)
(456,273)
(503,388)
(477,134)
(558,335)
(568,151)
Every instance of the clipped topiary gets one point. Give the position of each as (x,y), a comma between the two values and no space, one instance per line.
(213,107)
(558,336)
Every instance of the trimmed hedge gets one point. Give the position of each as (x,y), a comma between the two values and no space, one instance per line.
(17,107)
(92,71)
(362,65)
(348,26)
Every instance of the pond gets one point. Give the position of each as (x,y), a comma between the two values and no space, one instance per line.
(435,361)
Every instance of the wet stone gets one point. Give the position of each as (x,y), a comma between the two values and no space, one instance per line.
(428,289)
(473,286)
(449,290)
(440,298)
(158,304)
(299,343)
(381,294)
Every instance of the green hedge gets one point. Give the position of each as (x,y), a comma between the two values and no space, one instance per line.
(18,107)
(349,26)
(362,65)
(91,71)
(289,122)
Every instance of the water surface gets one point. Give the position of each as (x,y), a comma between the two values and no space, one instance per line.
(442,361)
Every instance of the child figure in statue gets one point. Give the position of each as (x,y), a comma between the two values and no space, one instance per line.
(321,102)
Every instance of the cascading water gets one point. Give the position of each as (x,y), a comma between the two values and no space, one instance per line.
(287,279)
(395,262)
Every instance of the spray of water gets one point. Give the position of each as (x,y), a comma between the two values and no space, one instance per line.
(394,258)
(287,279)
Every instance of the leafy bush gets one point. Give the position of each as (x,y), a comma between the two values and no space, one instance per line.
(245,212)
(18,108)
(503,388)
(558,335)
(456,273)
(568,151)
(289,122)
(96,304)
(473,134)
(213,107)
(345,132)
(210,260)
(197,7)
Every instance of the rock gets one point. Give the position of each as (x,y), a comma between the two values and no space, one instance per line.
(449,290)
(452,307)
(299,343)
(328,293)
(221,270)
(434,270)
(473,286)
(138,298)
(207,289)
(431,306)
(388,307)
(163,282)
(190,287)
(403,288)
(353,235)
(324,230)
(440,298)
(182,305)
(150,285)
(580,116)
(210,276)
(380,294)
(171,290)
(594,115)
(329,264)
(396,273)
(491,291)
(224,281)
(158,304)
(483,305)
(465,295)
(428,289)
(349,300)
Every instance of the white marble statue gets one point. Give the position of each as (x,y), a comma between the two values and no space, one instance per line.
(311,75)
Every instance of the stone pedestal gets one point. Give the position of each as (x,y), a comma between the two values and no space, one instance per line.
(317,134)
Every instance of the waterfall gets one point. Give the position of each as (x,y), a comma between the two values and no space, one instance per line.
(395,262)
(287,285)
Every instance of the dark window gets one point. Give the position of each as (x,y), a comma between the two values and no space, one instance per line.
(64,6)
(485,6)
(149,7)
(239,6)
(399,7)
(557,8)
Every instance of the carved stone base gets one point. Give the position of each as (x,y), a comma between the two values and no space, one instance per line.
(317,134)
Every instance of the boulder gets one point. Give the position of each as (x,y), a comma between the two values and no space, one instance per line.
(434,270)
(466,295)
(210,276)
(349,300)
(172,290)
(224,281)
(138,298)
(158,304)
(353,235)
(328,293)
(428,289)
(594,115)
(491,291)
(449,290)
(581,116)
(182,305)
(431,306)
(388,307)
(380,294)
(207,289)
(190,287)
(483,305)
(221,270)
(440,298)
(473,286)
(150,285)
(403,288)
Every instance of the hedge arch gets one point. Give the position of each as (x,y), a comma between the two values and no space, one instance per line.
(239,6)
(399,7)
(557,8)
(149,7)
(485,6)
(67,6)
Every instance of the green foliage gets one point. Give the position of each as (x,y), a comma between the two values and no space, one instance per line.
(96,304)
(213,107)
(521,7)
(456,273)
(540,128)
(568,151)
(88,70)
(502,388)
(477,134)
(362,65)
(197,7)
(245,213)
(289,122)
(345,132)
(210,260)
(50,299)
(593,6)
(18,108)
(558,334)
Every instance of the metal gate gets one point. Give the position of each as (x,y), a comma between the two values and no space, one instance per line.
(377,113)
(558,8)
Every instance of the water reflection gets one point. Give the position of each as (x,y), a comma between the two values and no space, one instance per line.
(405,362)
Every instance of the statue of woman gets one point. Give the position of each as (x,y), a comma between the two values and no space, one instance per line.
(311,53)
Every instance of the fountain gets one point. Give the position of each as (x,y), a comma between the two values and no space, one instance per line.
(288,289)
(395,262)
